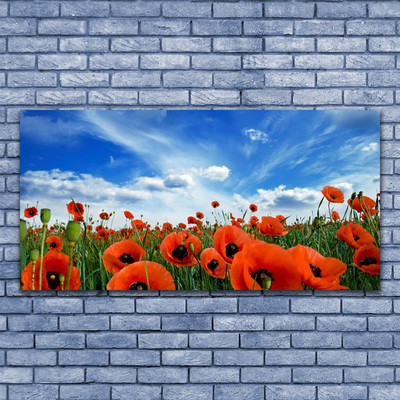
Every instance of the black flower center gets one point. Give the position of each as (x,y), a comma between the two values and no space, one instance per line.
(31,212)
(126,258)
(333,197)
(180,252)
(368,261)
(355,237)
(231,249)
(138,286)
(263,277)
(213,265)
(53,279)
(315,270)
(53,245)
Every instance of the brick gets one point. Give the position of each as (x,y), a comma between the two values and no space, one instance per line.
(370,28)
(57,306)
(156,97)
(61,27)
(16,340)
(135,44)
(187,323)
(110,375)
(216,62)
(238,357)
(186,79)
(320,340)
(60,341)
(113,27)
(33,392)
(342,78)
(289,322)
(290,392)
(130,9)
(60,375)
(113,61)
(84,323)
(264,305)
(239,10)
(111,340)
(165,28)
(83,357)
(194,45)
(32,323)
(164,61)
(212,305)
(384,357)
(387,323)
(289,79)
(314,375)
(341,323)
(342,358)
(179,9)
(18,306)
(136,392)
(211,97)
(163,340)
(186,357)
(261,340)
(135,357)
(270,375)
(236,392)
(37,9)
(237,45)
(384,78)
(11,253)
(367,341)
(319,61)
(288,10)
(17,61)
(32,45)
(269,27)
(382,10)
(242,323)
(258,97)
(31,357)
(289,357)
(12,217)
(83,79)
(324,306)
(368,97)
(214,340)
(317,27)
(81,392)
(16,375)
(62,61)
(85,9)
(87,45)
(32,79)
(19,26)
(109,306)
(135,322)
(366,306)
(163,375)
(65,97)
(341,45)
(368,374)
(345,392)
(214,375)
(287,44)
(341,11)
(384,44)
(179,392)
(217,27)
(370,61)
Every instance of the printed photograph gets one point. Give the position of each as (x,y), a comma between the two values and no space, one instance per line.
(200,200)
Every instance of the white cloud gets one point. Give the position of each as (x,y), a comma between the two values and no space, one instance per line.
(178,181)
(150,183)
(256,134)
(370,147)
(213,173)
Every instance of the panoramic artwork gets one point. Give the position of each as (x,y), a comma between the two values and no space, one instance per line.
(200,200)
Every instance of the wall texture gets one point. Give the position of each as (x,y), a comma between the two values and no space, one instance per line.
(198,54)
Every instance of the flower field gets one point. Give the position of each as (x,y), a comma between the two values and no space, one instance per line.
(246,252)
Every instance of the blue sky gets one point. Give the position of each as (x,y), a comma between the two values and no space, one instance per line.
(167,165)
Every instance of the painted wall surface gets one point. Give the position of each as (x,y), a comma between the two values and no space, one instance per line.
(199,54)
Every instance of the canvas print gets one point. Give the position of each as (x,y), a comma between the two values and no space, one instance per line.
(200,200)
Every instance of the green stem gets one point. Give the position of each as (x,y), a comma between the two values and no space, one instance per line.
(23,255)
(147,275)
(41,255)
(71,246)
(33,274)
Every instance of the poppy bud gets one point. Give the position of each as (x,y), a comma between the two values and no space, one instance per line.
(45,214)
(73,231)
(354,195)
(266,284)
(34,255)
(316,223)
(191,247)
(22,230)
(62,279)
(360,194)
(307,231)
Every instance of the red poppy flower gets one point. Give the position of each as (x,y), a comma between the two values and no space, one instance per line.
(122,253)
(368,259)
(102,234)
(253,207)
(104,216)
(191,220)
(54,265)
(354,235)
(182,225)
(332,194)
(365,204)
(167,227)
(128,214)
(229,240)
(214,204)
(54,243)
(30,212)
(262,265)
(175,248)
(271,226)
(214,264)
(199,215)
(78,218)
(370,213)
(317,271)
(133,277)
(335,215)
(281,219)
(139,224)
(75,208)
